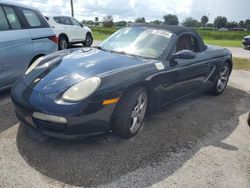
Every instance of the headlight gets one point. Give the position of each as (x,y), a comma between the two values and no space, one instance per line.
(82,90)
(33,65)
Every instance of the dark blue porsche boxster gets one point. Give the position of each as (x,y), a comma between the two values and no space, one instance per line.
(110,87)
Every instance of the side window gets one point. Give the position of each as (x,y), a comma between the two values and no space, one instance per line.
(66,21)
(32,18)
(187,42)
(57,19)
(75,22)
(12,18)
(3,21)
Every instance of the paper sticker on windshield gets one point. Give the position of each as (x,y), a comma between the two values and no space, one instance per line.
(162,33)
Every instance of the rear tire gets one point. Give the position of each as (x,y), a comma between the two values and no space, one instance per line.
(221,80)
(130,112)
(63,43)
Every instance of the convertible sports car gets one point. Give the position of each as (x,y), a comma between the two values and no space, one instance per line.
(93,90)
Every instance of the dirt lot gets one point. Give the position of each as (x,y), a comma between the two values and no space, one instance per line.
(199,142)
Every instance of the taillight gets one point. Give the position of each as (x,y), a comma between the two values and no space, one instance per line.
(54,39)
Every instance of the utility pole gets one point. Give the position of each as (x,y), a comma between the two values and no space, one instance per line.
(72,8)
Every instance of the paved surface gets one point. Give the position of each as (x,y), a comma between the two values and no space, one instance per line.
(199,142)
(240,52)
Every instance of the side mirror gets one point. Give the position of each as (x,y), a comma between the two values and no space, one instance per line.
(82,25)
(184,54)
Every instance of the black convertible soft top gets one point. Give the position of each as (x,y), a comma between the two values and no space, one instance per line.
(172,28)
(176,29)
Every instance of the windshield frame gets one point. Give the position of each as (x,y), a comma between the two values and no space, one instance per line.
(164,53)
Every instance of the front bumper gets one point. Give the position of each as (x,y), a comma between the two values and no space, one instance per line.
(246,44)
(82,119)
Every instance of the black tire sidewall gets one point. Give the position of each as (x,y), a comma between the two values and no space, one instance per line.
(121,120)
(59,43)
(88,35)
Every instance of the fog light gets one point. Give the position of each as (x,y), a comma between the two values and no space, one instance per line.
(49,118)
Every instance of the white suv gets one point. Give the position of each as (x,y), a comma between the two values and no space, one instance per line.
(70,31)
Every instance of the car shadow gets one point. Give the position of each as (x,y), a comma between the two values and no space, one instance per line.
(184,127)
(7,112)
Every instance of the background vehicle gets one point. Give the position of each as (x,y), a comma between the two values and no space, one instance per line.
(24,36)
(70,31)
(246,42)
(89,91)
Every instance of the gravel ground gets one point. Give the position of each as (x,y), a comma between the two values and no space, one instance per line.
(198,142)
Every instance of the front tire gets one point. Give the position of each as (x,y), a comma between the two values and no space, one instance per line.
(130,112)
(88,40)
(222,79)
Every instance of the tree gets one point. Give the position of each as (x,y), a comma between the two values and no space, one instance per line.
(140,20)
(108,21)
(242,24)
(204,21)
(190,22)
(220,22)
(231,25)
(247,24)
(170,19)
(157,22)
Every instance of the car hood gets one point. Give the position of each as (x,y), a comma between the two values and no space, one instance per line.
(61,70)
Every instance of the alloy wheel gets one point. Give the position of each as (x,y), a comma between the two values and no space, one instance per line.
(223,79)
(88,40)
(63,44)
(138,112)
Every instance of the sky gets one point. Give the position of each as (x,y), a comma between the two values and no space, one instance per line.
(234,10)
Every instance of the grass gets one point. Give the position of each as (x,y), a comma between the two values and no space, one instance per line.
(101,33)
(223,43)
(241,63)
(222,35)
(99,36)
(212,37)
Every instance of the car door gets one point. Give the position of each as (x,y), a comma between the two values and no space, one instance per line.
(68,28)
(15,46)
(184,76)
(79,32)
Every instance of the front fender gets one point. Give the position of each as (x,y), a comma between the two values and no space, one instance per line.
(115,84)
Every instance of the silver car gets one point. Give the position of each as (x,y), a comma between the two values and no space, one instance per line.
(25,35)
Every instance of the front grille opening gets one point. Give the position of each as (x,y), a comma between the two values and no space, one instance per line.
(50,126)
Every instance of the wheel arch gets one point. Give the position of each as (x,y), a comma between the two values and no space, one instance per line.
(88,32)
(63,35)
(152,94)
(230,62)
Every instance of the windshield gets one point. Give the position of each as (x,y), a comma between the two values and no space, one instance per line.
(140,41)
